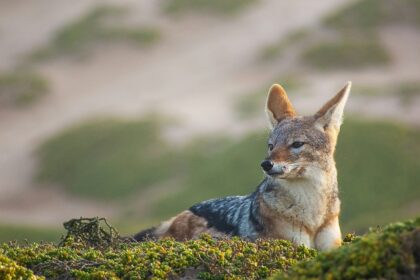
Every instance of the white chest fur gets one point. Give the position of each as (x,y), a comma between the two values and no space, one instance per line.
(301,206)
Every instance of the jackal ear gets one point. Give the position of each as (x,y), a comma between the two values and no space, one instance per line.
(278,106)
(331,114)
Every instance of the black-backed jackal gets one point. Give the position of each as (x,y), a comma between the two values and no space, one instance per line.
(297,200)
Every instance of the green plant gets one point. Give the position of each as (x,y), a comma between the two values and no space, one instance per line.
(22,87)
(346,54)
(10,270)
(214,6)
(276,49)
(391,253)
(82,255)
(365,15)
(388,253)
(108,158)
(98,26)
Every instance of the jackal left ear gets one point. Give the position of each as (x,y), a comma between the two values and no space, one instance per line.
(278,106)
(331,114)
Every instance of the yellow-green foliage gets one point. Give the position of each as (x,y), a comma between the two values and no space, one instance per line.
(21,87)
(213,6)
(206,257)
(389,254)
(103,24)
(10,270)
(382,254)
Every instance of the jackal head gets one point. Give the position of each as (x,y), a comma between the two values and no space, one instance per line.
(301,146)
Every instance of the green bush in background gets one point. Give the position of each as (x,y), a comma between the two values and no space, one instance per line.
(22,87)
(100,25)
(108,158)
(214,6)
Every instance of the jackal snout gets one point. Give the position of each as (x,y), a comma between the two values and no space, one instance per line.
(273,168)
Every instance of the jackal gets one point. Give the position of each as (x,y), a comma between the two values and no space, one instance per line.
(298,198)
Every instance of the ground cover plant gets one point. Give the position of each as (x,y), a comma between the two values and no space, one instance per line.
(215,6)
(92,249)
(103,24)
(348,38)
(391,253)
(22,87)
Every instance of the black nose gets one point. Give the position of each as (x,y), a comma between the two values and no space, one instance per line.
(266,165)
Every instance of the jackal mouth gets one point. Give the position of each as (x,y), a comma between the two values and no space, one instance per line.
(276,174)
(292,171)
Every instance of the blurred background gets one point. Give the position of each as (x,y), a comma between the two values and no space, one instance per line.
(134,110)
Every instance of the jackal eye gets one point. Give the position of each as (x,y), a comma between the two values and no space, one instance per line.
(270,147)
(297,144)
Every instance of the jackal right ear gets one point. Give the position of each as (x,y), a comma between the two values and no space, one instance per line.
(278,106)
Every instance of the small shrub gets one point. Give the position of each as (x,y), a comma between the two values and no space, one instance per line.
(107,158)
(346,54)
(96,27)
(365,15)
(22,87)
(214,6)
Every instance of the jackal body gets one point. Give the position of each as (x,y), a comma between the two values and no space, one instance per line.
(297,200)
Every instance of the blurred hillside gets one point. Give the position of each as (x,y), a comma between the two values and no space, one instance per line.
(137,109)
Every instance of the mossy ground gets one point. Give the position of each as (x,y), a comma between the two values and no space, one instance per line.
(389,253)
(92,251)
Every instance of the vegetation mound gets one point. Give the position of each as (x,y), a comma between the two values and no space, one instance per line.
(92,249)
(392,253)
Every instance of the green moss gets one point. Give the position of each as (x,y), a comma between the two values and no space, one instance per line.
(10,270)
(346,54)
(22,87)
(206,258)
(214,6)
(98,26)
(391,253)
(386,253)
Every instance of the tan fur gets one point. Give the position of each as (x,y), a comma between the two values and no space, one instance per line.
(184,226)
(280,155)
(278,105)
